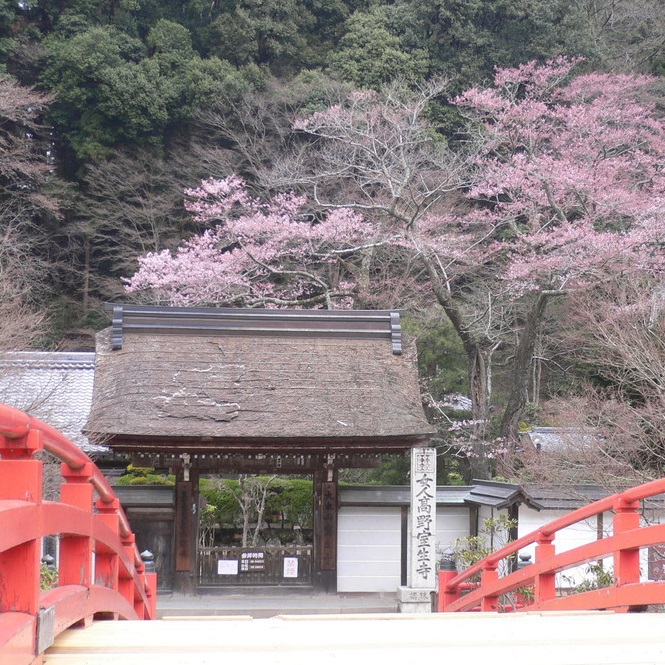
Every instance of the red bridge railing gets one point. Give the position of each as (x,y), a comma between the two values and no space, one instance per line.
(100,574)
(535,583)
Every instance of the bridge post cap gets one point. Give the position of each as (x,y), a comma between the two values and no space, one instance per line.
(524,560)
(148,559)
(48,560)
(447,563)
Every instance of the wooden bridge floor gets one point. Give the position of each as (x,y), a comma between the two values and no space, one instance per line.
(547,638)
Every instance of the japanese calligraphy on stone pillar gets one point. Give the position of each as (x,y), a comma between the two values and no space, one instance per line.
(423,517)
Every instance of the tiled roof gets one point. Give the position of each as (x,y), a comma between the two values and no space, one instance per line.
(554,438)
(573,496)
(499,495)
(54,387)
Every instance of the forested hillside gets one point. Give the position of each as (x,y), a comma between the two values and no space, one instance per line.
(495,166)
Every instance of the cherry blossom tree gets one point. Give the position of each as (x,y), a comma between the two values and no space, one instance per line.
(559,184)
(563,182)
(258,253)
(379,153)
(571,177)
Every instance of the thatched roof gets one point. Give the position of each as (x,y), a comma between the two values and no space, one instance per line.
(302,384)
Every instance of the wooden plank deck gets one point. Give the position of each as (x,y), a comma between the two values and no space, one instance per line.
(510,639)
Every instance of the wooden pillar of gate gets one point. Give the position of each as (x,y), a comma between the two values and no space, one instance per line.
(186,526)
(324,573)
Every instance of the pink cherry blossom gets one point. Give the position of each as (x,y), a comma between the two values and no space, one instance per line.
(268,253)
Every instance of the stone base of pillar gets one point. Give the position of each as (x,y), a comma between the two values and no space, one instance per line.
(415,601)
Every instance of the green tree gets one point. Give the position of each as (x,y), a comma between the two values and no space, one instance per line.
(468,39)
(264,32)
(111,90)
(378,46)
(83,72)
(293,499)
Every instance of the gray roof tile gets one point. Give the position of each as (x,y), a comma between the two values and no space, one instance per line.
(54,387)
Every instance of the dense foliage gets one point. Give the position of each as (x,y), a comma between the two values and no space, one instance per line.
(352,152)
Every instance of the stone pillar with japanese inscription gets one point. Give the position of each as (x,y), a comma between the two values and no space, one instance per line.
(416,597)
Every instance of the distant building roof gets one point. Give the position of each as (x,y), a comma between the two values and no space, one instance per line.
(457,402)
(54,387)
(573,496)
(265,379)
(552,438)
(499,495)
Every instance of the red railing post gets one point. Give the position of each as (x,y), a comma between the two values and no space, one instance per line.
(125,582)
(76,550)
(489,575)
(21,478)
(106,560)
(544,584)
(626,561)
(445,596)
(139,605)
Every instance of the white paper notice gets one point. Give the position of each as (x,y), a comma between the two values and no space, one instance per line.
(227,567)
(290,566)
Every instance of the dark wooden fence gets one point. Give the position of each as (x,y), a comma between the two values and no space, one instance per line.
(255,566)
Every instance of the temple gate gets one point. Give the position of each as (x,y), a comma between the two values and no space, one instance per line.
(256,391)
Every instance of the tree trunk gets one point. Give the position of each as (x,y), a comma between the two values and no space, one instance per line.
(480,382)
(519,394)
(86,277)
(245,502)
(260,503)
(479,354)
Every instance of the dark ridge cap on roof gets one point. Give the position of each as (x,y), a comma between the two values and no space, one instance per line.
(351,324)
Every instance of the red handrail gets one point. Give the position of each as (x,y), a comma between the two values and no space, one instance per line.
(30,618)
(624,545)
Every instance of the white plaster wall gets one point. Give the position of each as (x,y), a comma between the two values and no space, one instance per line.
(368,549)
(652,516)
(369,545)
(451,523)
